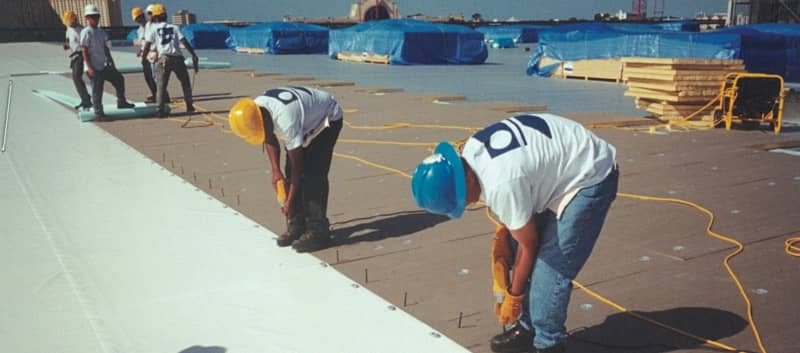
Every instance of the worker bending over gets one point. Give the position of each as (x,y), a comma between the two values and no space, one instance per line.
(73,45)
(309,120)
(550,182)
(99,63)
(167,39)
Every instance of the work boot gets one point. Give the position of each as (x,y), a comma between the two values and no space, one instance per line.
(517,339)
(151,99)
(559,348)
(295,229)
(317,237)
(124,105)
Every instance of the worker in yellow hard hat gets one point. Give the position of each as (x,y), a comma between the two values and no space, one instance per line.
(309,121)
(73,46)
(139,17)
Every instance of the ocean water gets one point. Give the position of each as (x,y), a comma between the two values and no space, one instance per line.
(501,78)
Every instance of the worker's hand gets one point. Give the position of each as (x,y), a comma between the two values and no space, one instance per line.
(90,71)
(66,46)
(509,311)
(139,53)
(287,209)
(194,61)
(145,61)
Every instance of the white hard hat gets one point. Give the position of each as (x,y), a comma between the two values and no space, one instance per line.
(90,9)
(149,8)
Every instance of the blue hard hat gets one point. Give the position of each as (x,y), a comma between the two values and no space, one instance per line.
(439,185)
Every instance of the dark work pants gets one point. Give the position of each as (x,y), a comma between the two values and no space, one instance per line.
(166,65)
(109,74)
(76,64)
(147,68)
(314,187)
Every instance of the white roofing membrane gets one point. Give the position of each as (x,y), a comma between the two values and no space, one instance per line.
(104,251)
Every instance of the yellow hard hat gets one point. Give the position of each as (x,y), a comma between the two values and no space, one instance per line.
(69,17)
(158,10)
(247,122)
(136,12)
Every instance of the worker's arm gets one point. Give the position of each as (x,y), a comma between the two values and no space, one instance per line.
(108,56)
(87,60)
(527,248)
(274,153)
(145,51)
(295,158)
(191,51)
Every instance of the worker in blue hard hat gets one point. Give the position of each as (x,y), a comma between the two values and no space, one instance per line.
(550,182)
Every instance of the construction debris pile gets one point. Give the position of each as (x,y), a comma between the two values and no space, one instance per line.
(676,89)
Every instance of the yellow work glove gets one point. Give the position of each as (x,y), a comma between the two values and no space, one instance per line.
(510,309)
(502,260)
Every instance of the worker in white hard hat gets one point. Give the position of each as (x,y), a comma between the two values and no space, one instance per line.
(166,38)
(309,120)
(551,182)
(99,63)
(139,17)
(73,45)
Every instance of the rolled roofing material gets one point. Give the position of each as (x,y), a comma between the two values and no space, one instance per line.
(111,110)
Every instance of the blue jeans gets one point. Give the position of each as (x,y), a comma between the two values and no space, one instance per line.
(564,246)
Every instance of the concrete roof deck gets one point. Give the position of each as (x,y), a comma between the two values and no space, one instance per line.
(651,257)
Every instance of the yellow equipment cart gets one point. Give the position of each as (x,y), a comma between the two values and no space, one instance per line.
(751,99)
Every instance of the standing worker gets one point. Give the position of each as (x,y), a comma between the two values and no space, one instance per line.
(99,62)
(138,16)
(167,39)
(73,45)
(550,182)
(309,121)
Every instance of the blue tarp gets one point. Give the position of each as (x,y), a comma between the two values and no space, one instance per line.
(602,41)
(281,38)
(409,42)
(206,36)
(770,48)
(518,33)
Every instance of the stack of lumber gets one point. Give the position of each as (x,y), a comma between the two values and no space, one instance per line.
(672,89)
(363,57)
(592,69)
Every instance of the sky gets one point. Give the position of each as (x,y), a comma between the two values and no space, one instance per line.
(274,10)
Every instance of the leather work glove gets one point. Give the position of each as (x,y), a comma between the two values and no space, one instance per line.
(502,260)
(510,310)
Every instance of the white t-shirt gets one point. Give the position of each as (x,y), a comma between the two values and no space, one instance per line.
(299,113)
(529,163)
(73,36)
(94,39)
(165,38)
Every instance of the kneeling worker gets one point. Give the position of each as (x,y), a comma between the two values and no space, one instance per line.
(550,182)
(309,121)
(167,39)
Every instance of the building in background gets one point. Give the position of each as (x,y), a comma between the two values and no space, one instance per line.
(370,10)
(110,10)
(763,11)
(184,17)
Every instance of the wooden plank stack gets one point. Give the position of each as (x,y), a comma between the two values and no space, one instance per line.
(594,69)
(672,89)
(363,57)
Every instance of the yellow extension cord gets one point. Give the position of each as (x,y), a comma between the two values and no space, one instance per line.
(792,245)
